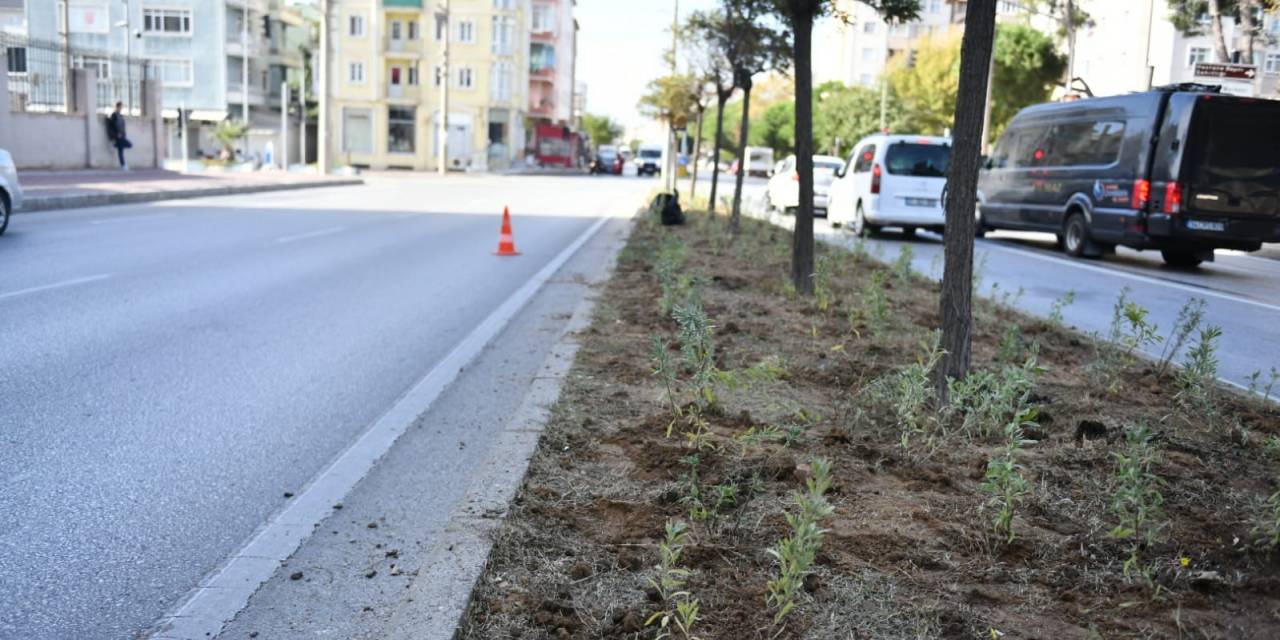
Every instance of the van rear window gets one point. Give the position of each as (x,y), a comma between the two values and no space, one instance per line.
(1232,154)
(919,160)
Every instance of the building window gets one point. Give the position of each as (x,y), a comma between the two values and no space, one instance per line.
(395,76)
(466,78)
(355,72)
(355,26)
(397,30)
(438,73)
(503,35)
(175,22)
(101,66)
(1272,64)
(413,29)
(400,129)
(17,59)
(171,72)
(500,81)
(1196,55)
(1274,25)
(442,27)
(935,6)
(413,75)
(357,130)
(504,5)
(542,57)
(866,79)
(544,19)
(868,27)
(466,31)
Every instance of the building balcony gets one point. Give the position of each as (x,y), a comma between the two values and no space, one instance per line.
(401,47)
(402,4)
(411,93)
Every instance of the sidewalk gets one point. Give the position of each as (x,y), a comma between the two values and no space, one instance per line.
(46,190)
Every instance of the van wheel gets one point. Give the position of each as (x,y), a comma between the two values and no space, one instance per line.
(909,232)
(1184,259)
(980,227)
(860,225)
(4,213)
(1075,235)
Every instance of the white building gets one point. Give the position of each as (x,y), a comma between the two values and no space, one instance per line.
(1133,45)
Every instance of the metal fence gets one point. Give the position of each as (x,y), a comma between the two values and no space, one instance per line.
(39,82)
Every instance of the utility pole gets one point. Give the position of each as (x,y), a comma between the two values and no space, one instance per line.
(284,126)
(884,83)
(322,127)
(1071,44)
(302,128)
(244,65)
(182,135)
(69,83)
(443,161)
(986,111)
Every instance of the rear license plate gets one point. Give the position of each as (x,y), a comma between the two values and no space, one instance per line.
(921,202)
(1206,225)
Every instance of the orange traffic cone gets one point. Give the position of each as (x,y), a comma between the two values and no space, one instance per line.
(506,241)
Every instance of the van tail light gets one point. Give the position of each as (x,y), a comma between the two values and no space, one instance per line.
(1141,194)
(875,178)
(1173,198)
(795,175)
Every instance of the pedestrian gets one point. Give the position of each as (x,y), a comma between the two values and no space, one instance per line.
(119,136)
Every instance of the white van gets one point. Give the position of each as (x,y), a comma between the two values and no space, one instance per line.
(892,181)
(759,161)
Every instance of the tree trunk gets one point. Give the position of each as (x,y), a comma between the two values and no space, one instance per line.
(721,98)
(744,83)
(1215,26)
(1246,31)
(697,148)
(962,186)
(802,238)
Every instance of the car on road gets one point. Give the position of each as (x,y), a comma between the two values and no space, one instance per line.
(10,189)
(608,160)
(891,180)
(649,160)
(783,191)
(1182,169)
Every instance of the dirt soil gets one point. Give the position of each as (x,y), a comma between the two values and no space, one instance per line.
(909,551)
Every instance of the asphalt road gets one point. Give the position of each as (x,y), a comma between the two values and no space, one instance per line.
(1241,291)
(171,371)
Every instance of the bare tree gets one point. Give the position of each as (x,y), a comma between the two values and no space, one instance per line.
(962,187)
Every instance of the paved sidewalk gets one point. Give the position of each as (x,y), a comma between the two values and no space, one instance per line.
(45,190)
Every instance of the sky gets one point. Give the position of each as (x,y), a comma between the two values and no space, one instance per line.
(620,45)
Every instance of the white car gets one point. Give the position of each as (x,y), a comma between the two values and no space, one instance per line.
(892,181)
(10,190)
(784,185)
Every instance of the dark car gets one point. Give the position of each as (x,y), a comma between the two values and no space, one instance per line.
(1180,169)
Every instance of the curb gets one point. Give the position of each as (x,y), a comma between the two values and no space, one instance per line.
(84,200)
(440,595)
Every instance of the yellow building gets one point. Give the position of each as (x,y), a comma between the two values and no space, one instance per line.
(385,82)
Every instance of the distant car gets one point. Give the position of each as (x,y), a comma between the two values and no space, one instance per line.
(608,160)
(649,160)
(1181,169)
(892,181)
(10,189)
(784,186)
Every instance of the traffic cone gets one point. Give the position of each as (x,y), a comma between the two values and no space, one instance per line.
(506,241)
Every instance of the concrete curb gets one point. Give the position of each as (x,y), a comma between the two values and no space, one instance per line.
(83,200)
(439,596)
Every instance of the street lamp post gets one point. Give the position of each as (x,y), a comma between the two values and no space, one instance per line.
(443,26)
(244,64)
(322,144)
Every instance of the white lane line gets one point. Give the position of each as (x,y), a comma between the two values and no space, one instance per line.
(310,234)
(145,216)
(1122,273)
(221,596)
(56,285)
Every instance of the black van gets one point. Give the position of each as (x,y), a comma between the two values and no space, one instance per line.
(1183,169)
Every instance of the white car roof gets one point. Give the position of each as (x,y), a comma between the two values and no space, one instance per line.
(903,137)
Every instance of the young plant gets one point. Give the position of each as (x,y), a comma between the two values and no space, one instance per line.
(902,264)
(1055,310)
(665,370)
(824,273)
(680,612)
(1198,376)
(697,349)
(1267,529)
(668,264)
(1011,346)
(1130,331)
(911,392)
(1004,482)
(796,552)
(875,306)
(1136,500)
(1189,318)
(1256,388)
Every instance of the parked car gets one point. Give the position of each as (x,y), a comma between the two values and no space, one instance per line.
(783,191)
(10,189)
(1181,169)
(891,181)
(649,160)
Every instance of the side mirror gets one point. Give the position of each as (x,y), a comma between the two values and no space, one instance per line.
(839,172)
(985,162)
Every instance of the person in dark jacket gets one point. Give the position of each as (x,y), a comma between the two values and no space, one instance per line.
(119,136)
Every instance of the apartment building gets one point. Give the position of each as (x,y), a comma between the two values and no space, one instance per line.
(196,48)
(386,76)
(552,61)
(1133,45)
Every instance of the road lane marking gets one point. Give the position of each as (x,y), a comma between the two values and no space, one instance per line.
(56,285)
(1124,273)
(147,216)
(226,592)
(310,234)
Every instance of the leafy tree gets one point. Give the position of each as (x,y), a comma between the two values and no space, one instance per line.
(927,89)
(601,129)
(228,132)
(672,99)
(842,115)
(1186,16)
(799,15)
(776,129)
(715,74)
